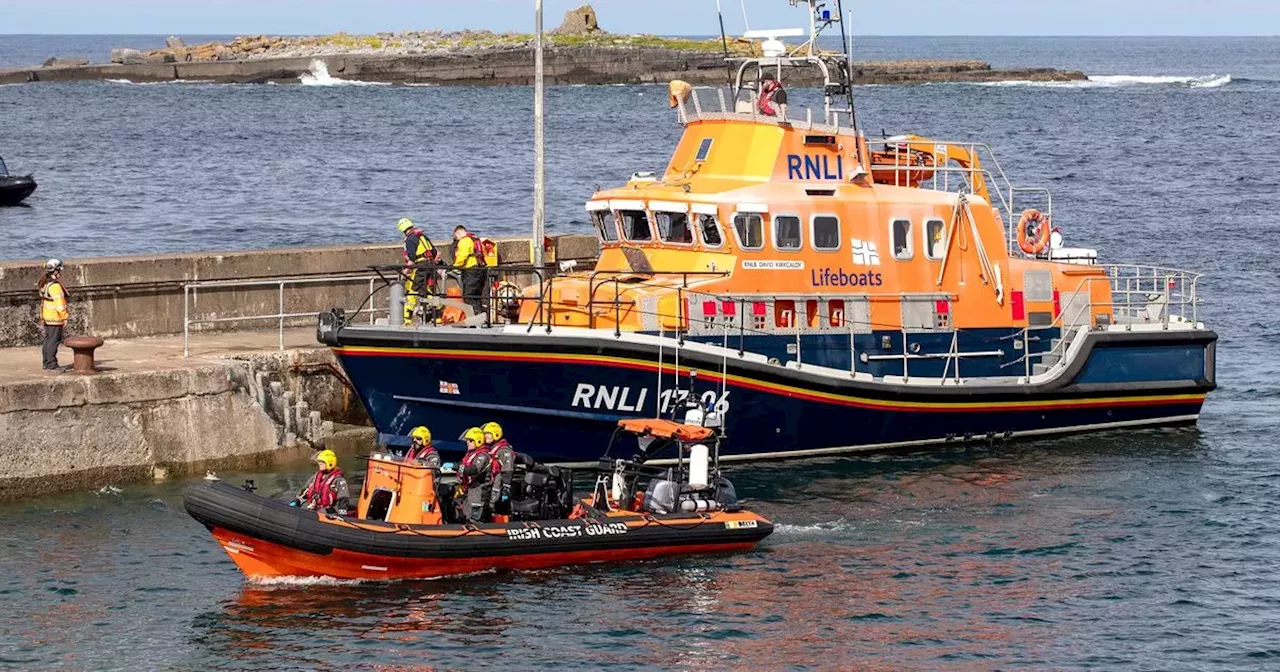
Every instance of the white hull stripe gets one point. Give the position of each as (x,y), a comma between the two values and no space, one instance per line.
(814,452)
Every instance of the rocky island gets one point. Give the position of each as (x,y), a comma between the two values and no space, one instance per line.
(578,52)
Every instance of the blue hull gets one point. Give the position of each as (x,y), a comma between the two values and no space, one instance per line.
(559,398)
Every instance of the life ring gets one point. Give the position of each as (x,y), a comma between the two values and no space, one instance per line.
(1040,242)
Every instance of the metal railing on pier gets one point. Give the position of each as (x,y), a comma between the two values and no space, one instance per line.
(191,295)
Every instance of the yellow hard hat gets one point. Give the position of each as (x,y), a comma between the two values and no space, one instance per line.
(404,224)
(326,459)
(421,433)
(474,434)
(493,428)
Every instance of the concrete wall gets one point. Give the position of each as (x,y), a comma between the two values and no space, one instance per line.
(71,433)
(116,297)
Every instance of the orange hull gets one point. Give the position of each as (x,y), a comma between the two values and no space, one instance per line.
(261,559)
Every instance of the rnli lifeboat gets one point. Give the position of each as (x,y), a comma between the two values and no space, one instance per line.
(837,299)
(405,526)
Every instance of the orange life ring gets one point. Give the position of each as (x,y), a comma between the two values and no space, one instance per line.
(1040,243)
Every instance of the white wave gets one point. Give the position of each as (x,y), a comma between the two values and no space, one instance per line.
(301,581)
(815,529)
(1116,81)
(319,76)
(164,82)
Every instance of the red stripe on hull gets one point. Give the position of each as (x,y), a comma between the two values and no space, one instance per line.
(262,559)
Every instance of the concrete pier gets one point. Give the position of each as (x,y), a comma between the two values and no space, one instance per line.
(241,398)
(151,412)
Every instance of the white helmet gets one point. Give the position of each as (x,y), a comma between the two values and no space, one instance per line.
(53,265)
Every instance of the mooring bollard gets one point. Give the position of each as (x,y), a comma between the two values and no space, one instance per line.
(83,347)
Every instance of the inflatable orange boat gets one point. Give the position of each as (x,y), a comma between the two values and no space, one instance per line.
(402,527)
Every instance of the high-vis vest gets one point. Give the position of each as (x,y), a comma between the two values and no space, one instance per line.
(469,252)
(417,247)
(53,303)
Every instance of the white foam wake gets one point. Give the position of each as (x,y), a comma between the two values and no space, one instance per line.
(1116,81)
(319,76)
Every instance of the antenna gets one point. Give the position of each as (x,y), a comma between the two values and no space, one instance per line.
(846,43)
(724,41)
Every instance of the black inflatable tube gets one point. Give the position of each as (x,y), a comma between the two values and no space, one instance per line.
(219,504)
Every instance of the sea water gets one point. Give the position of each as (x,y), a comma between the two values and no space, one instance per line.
(1134,550)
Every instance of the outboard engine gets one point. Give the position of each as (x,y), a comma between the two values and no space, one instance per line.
(660,496)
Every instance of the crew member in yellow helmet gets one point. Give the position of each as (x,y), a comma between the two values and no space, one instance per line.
(417,250)
(420,449)
(328,490)
(475,477)
(504,466)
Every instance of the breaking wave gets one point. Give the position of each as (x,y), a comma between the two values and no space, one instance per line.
(1116,81)
(319,76)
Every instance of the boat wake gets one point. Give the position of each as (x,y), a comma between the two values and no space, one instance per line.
(812,530)
(1117,81)
(319,76)
(301,581)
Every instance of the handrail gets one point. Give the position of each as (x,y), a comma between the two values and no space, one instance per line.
(191,289)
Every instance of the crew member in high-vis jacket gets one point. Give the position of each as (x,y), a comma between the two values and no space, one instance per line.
(417,250)
(468,257)
(53,311)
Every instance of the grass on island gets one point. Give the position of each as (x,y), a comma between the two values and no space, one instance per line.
(483,39)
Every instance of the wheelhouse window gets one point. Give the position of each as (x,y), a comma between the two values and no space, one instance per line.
(605,225)
(635,225)
(902,246)
(786,232)
(673,227)
(826,232)
(750,229)
(710,229)
(704,148)
(934,245)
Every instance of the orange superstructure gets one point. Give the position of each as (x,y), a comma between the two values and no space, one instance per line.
(757,206)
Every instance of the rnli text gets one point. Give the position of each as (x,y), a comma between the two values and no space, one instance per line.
(607,397)
(809,167)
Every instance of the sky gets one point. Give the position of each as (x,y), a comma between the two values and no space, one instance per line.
(663,17)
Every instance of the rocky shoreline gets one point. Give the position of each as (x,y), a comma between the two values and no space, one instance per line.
(578,52)
(511,67)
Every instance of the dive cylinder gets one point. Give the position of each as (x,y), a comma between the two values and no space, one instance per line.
(699,464)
